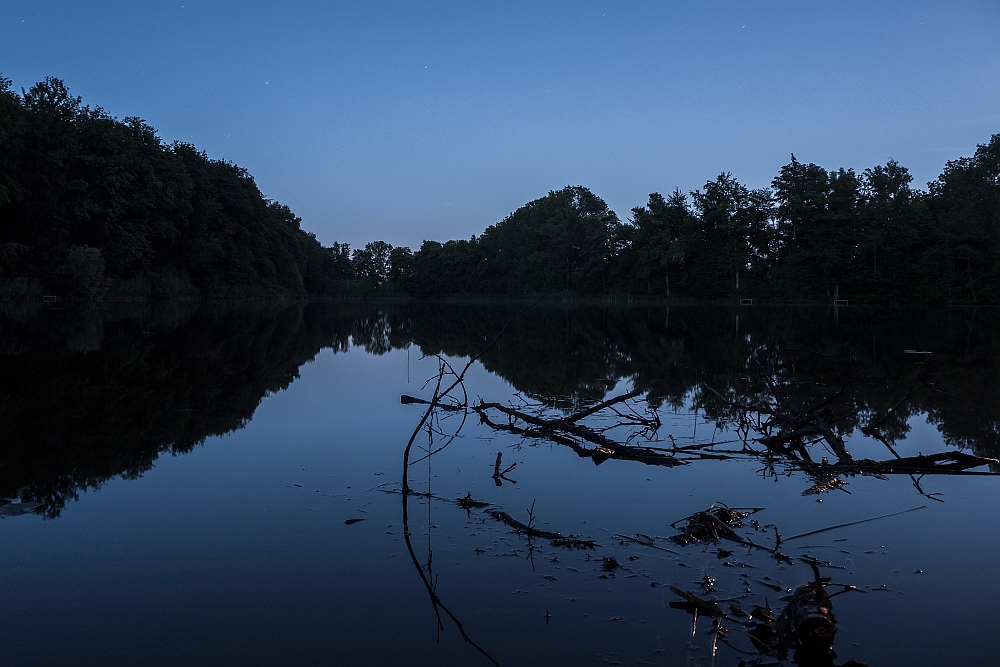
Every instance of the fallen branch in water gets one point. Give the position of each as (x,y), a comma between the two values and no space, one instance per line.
(557,539)
(568,432)
(606,404)
(550,430)
(941,463)
(413,400)
(812,423)
(499,476)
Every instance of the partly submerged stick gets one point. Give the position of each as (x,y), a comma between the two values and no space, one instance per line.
(438,394)
(851,523)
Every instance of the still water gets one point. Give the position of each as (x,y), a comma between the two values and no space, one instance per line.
(184,484)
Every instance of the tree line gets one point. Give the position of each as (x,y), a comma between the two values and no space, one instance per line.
(813,235)
(91,205)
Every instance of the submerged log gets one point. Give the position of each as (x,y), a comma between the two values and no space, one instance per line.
(941,463)
(811,613)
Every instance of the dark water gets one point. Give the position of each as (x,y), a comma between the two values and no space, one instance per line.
(179,479)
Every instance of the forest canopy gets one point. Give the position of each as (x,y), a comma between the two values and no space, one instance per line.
(92,206)
(90,203)
(814,235)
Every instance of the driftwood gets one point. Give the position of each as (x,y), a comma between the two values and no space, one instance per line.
(811,614)
(557,539)
(568,432)
(808,424)
(413,400)
(788,445)
(807,625)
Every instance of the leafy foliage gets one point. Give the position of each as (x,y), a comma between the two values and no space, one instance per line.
(814,235)
(161,219)
(165,220)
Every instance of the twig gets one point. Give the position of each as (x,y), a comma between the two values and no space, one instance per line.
(600,406)
(852,523)
(874,427)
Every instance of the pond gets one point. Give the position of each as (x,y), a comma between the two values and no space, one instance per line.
(503,483)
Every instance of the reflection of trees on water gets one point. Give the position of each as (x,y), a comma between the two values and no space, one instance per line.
(685,355)
(88,395)
(85,396)
(807,625)
(149,381)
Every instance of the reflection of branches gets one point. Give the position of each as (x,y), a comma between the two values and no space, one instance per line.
(438,396)
(566,432)
(567,424)
(784,435)
(874,429)
(500,476)
(436,602)
(444,368)
(441,399)
(787,433)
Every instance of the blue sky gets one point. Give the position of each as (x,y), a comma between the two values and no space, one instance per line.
(407,121)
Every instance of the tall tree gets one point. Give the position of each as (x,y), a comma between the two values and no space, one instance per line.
(816,229)
(651,253)
(965,202)
(728,238)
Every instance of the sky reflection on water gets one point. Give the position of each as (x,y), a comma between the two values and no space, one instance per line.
(237,550)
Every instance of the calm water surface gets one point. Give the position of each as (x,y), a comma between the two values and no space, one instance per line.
(179,482)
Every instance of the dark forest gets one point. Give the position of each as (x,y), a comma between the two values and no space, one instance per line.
(93,207)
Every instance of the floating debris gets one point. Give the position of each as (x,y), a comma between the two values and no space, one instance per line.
(469,503)
(825,485)
(806,626)
(773,587)
(811,613)
(556,539)
(712,524)
(692,603)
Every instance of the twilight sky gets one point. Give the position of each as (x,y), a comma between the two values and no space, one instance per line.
(406,121)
